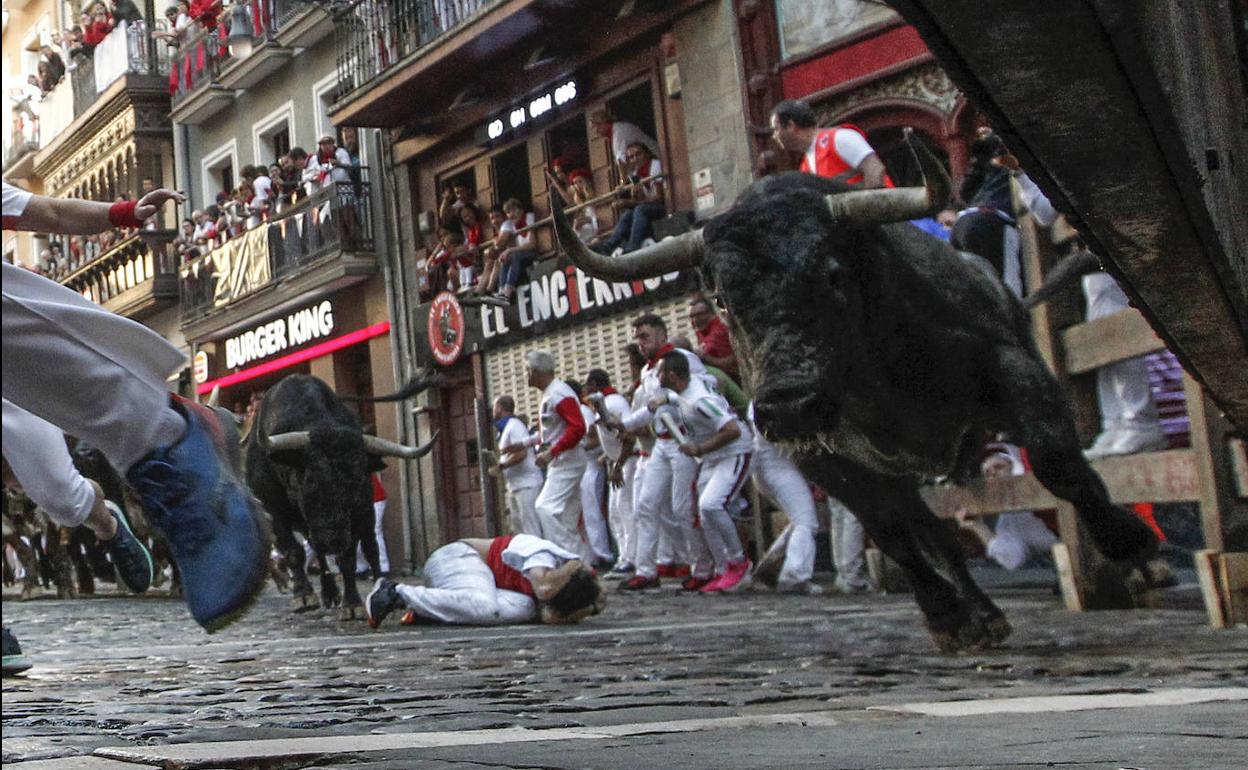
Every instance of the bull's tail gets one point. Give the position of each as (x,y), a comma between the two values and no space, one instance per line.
(423,381)
(1063,273)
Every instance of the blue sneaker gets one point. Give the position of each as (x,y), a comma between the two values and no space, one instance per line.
(131,558)
(219,541)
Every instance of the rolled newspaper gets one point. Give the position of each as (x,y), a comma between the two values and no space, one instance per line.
(665,417)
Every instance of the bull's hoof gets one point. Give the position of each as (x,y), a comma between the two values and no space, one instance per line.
(971,635)
(352,612)
(304,603)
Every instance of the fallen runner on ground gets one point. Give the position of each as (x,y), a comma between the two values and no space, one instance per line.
(499,581)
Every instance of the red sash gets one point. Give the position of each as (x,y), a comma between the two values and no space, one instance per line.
(505,577)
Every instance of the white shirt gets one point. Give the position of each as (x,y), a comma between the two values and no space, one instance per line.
(650,388)
(616,406)
(526,552)
(652,188)
(15,202)
(704,413)
(1019,537)
(554,426)
(523,240)
(623,134)
(591,419)
(262,186)
(524,474)
(850,145)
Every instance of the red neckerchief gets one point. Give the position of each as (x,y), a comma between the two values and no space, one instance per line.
(608,391)
(324,157)
(668,348)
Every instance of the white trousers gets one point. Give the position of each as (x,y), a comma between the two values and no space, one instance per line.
(383,558)
(667,495)
(591,510)
(522,511)
(778,478)
(559,504)
(91,373)
(848,548)
(1122,389)
(459,588)
(719,483)
(36,451)
(620,509)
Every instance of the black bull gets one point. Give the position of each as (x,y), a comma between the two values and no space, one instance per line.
(881,358)
(308,462)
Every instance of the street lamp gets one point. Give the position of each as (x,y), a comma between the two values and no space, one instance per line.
(240,39)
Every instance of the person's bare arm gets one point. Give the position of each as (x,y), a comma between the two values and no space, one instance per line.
(72,216)
(548,582)
(872,169)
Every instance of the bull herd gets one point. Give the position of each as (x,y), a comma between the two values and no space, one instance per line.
(877,355)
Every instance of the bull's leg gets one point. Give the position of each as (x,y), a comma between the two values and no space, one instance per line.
(352,604)
(372,554)
(958,614)
(1046,428)
(302,596)
(329,589)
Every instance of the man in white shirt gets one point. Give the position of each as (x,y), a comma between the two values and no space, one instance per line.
(620,460)
(639,204)
(1020,536)
(561,428)
(519,469)
(720,442)
(503,580)
(593,486)
(621,134)
(668,473)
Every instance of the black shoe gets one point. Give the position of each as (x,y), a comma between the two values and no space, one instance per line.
(131,558)
(381,601)
(14,661)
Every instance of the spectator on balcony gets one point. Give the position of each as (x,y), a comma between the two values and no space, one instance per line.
(262,194)
(330,165)
(638,202)
(127,11)
(469,257)
(59,257)
(455,197)
(178,17)
(621,134)
(99,25)
(585,220)
(487,282)
(205,12)
(516,245)
(437,264)
(56,65)
(351,143)
(185,242)
(205,234)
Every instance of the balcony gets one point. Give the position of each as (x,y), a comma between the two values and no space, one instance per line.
(136,277)
(318,243)
(301,23)
(209,72)
(19,161)
(127,51)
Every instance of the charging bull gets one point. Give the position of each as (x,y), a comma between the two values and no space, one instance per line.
(308,461)
(881,358)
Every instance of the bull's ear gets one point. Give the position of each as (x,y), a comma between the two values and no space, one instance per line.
(375,464)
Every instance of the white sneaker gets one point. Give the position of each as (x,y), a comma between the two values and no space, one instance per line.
(805,588)
(1139,439)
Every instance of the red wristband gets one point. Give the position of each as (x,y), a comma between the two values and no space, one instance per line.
(121,214)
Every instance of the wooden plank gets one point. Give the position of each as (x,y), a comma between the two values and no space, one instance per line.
(1224,515)
(1234,574)
(1208,565)
(1239,463)
(1154,477)
(1093,344)
(1071,596)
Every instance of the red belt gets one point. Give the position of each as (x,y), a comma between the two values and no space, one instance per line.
(665,435)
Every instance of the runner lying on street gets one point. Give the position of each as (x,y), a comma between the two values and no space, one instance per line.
(504,580)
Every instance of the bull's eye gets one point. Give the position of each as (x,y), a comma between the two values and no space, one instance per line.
(719,301)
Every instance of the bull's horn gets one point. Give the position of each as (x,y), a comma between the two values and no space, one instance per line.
(666,256)
(297,439)
(214,398)
(901,204)
(380,446)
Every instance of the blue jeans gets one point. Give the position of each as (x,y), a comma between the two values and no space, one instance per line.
(515,267)
(634,225)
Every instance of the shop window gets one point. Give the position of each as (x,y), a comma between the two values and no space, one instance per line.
(806,27)
(511,175)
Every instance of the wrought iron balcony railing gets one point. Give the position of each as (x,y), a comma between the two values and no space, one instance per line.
(373,36)
(128,49)
(336,220)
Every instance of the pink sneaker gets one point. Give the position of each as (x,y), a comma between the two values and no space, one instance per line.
(713,585)
(735,576)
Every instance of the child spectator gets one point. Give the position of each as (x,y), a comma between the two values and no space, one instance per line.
(585,221)
(469,257)
(488,282)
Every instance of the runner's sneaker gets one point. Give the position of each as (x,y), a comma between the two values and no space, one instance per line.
(735,577)
(14,661)
(804,588)
(219,541)
(692,583)
(639,583)
(381,601)
(131,558)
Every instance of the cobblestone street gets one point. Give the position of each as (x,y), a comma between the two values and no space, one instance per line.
(771,680)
